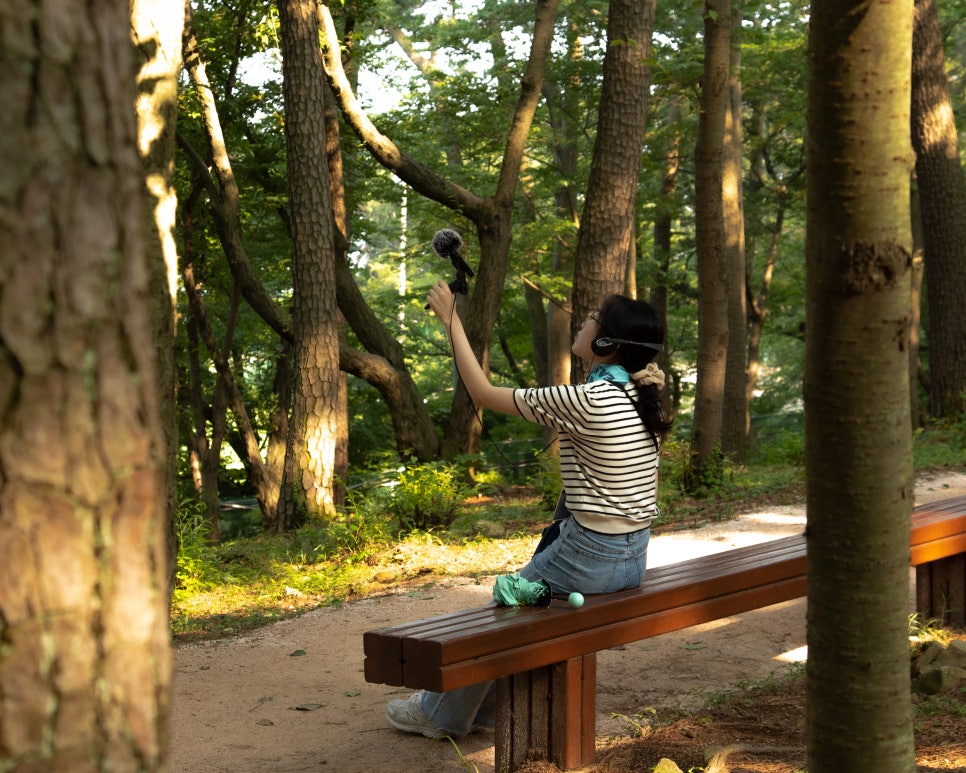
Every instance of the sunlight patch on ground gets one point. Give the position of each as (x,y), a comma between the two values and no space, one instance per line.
(797,655)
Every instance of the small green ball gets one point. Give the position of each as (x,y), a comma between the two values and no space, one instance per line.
(575,600)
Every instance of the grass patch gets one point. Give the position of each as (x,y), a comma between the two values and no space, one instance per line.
(251,580)
(248,582)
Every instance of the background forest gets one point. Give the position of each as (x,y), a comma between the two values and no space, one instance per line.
(430,97)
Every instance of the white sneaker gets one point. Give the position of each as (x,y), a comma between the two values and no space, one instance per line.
(407,715)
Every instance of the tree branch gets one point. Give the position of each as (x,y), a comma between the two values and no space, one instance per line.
(384,150)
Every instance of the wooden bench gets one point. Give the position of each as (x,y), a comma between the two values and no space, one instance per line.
(544,658)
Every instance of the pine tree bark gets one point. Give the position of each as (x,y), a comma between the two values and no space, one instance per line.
(704,467)
(736,413)
(942,203)
(85,666)
(858,440)
(307,486)
(156,28)
(606,241)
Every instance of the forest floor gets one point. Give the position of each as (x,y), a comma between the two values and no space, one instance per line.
(292,697)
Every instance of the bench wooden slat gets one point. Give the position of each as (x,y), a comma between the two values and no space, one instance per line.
(420,648)
(536,654)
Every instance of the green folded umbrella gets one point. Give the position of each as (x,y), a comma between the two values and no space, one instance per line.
(512,590)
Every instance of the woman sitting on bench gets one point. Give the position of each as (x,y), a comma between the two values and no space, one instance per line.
(610,430)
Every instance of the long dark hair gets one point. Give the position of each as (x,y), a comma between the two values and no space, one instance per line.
(632,320)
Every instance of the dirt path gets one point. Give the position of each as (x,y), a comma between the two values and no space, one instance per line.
(292,697)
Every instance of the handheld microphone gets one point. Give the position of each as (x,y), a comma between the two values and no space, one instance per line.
(446,244)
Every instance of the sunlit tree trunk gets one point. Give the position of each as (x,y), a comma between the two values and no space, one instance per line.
(858,440)
(942,202)
(704,468)
(736,415)
(85,666)
(156,27)
(307,486)
(605,243)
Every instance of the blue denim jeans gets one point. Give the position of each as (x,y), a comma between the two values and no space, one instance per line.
(578,559)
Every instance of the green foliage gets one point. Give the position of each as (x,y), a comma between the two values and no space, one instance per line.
(940,445)
(779,439)
(194,571)
(428,495)
(705,479)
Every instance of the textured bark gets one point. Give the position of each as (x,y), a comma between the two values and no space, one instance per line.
(736,414)
(340,222)
(307,486)
(663,221)
(606,240)
(156,29)
(858,441)
(942,201)
(705,466)
(561,108)
(85,666)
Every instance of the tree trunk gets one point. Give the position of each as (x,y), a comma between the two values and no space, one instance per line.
(915,311)
(561,102)
(704,468)
(307,486)
(340,216)
(156,28)
(85,666)
(663,221)
(858,441)
(736,415)
(605,242)
(942,201)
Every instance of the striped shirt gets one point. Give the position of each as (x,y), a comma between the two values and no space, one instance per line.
(608,460)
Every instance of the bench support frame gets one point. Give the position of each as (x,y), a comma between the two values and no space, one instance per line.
(548,713)
(941,590)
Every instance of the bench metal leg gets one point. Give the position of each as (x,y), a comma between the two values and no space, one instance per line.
(548,713)
(941,590)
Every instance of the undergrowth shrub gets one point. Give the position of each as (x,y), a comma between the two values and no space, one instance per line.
(428,494)
(356,534)
(195,565)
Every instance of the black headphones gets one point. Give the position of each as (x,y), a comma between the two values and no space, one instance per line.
(604,346)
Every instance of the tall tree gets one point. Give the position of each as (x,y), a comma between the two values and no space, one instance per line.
(85,665)
(663,222)
(307,487)
(221,187)
(705,464)
(561,96)
(942,206)
(858,441)
(605,244)
(736,415)
(156,31)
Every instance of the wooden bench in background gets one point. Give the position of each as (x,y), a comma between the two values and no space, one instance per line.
(544,658)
